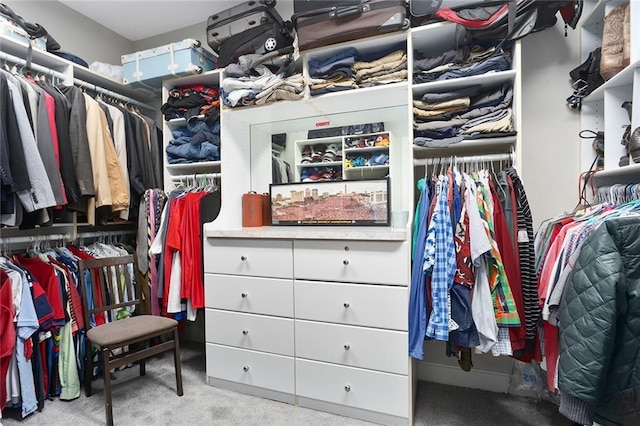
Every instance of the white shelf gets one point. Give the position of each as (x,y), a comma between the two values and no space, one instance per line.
(599,11)
(488,79)
(190,168)
(321,164)
(623,78)
(174,123)
(316,141)
(623,175)
(209,78)
(323,106)
(485,145)
(366,149)
(57,63)
(366,172)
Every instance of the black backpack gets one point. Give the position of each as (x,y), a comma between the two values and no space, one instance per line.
(511,19)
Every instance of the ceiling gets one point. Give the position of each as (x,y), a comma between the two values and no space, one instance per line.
(140,19)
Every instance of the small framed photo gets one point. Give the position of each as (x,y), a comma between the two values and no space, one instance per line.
(344,202)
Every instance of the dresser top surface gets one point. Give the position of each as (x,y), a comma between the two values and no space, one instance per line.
(311,233)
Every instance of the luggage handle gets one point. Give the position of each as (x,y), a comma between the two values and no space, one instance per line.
(341,12)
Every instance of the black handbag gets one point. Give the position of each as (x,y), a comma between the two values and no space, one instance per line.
(586,78)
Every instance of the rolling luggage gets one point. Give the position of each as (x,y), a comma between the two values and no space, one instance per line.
(300,6)
(262,39)
(237,19)
(366,18)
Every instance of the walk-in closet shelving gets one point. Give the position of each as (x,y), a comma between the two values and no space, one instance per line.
(434,39)
(246,165)
(209,79)
(73,70)
(602,109)
(13,52)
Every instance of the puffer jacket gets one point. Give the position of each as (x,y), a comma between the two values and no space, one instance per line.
(599,366)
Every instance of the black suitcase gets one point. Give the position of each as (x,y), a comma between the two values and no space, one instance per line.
(300,6)
(336,24)
(230,22)
(262,39)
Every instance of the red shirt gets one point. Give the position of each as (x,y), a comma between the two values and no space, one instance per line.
(7,332)
(173,243)
(192,285)
(511,268)
(99,318)
(47,277)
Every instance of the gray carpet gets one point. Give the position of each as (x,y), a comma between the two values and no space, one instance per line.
(151,400)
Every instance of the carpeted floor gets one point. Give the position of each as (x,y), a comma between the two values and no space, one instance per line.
(151,400)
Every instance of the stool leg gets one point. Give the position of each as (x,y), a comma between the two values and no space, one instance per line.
(106,374)
(176,360)
(88,368)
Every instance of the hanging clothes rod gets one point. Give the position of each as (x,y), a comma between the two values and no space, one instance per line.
(99,234)
(48,71)
(464,159)
(21,239)
(35,67)
(182,178)
(106,92)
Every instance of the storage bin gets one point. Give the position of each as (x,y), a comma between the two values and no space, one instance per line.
(9,29)
(147,68)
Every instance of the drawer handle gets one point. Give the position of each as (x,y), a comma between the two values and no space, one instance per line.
(347,388)
(245,368)
(346,248)
(244,295)
(243,258)
(245,332)
(347,347)
(346,305)
(345,262)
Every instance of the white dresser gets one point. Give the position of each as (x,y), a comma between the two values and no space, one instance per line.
(312,317)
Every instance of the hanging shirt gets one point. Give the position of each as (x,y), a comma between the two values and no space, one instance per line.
(444,267)
(40,195)
(418,297)
(504,305)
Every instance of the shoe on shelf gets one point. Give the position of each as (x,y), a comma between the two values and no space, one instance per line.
(634,145)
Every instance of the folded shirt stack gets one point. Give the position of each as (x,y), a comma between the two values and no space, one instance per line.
(442,119)
(196,142)
(474,59)
(350,69)
(251,82)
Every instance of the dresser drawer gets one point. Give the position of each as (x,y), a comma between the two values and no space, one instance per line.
(271,296)
(376,349)
(352,261)
(355,304)
(248,331)
(261,258)
(354,387)
(259,369)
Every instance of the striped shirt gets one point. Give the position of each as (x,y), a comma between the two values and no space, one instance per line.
(526,252)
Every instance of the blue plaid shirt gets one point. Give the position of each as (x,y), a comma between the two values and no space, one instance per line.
(444,266)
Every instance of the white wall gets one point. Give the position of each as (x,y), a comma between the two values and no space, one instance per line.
(550,143)
(76,33)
